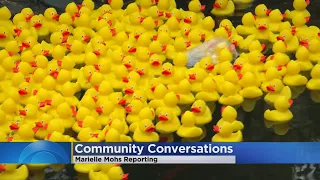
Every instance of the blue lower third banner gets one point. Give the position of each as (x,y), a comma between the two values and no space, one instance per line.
(46,152)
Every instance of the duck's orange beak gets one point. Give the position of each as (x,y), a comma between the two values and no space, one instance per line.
(140,72)
(262,28)
(99,110)
(280,38)
(155,63)
(216,5)
(268,11)
(2,36)
(25,44)
(168,15)
(125,80)
(155,38)
(141,19)
(270,89)
(223,108)
(163,118)
(240,76)
(202,7)
(122,102)
(129,91)
(192,77)
(37,25)
(235,43)
(279,68)
(42,104)
(39,124)
(54,74)
(210,67)
(64,40)
(137,36)
(109,23)
(196,110)
(95,135)
(29,17)
(132,50)
(237,67)
(109,1)
(55,17)
(22,92)
(153,88)
(95,99)
(216,129)
(127,65)
(80,123)
(262,58)
(97,53)
(77,14)
(307,19)
(59,62)
(96,66)
(86,38)
(187,20)
(2,167)
(188,44)
(304,43)
(14,127)
(150,129)
(290,102)
(164,48)
(65,33)
(307,2)
(113,31)
(33,64)
(128,109)
(22,112)
(48,102)
(17,31)
(284,16)
(187,32)
(156,22)
(166,73)
(160,13)
(203,37)
(46,52)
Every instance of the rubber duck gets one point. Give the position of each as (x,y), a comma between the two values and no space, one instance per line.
(65,113)
(103,173)
(12,48)
(118,100)
(30,113)
(291,41)
(202,112)
(135,20)
(230,95)
(87,122)
(188,129)
(275,90)
(41,126)
(263,32)
(133,110)
(206,63)
(13,170)
(197,7)
(229,114)
(40,27)
(77,50)
(223,8)
(314,54)
(159,93)
(302,58)
(167,74)
(275,18)
(195,38)
(248,25)
(299,23)
(314,83)
(207,26)
(257,59)
(170,101)
(173,24)
(5,17)
(225,133)
(145,132)
(208,92)
(299,8)
(281,113)
(153,83)
(168,121)
(196,76)
(292,76)
(5,37)
(156,61)
(261,12)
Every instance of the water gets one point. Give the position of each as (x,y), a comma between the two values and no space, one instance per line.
(305,125)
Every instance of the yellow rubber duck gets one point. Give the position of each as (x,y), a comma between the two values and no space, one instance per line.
(263,31)
(4,123)
(229,114)
(77,50)
(196,76)
(184,92)
(291,41)
(103,173)
(197,7)
(223,8)
(292,77)
(207,26)
(10,171)
(159,93)
(275,18)
(225,133)
(281,114)
(314,83)
(188,129)
(133,110)
(314,54)
(275,90)
(5,37)
(5,17)
(156,64)
(261,12)
(202,112)
(168,121)
(230,96)
(66,115)
(208,92)
(42,125)
(173,24)
(25,134)
(302,58)
(145,132)
(170,101)
(68,90)
(51,18)
(299,8)
(40,27)
(88,135)
(30,112)
(167,74)
(250,91)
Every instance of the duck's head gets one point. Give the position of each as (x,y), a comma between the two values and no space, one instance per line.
(12,47)
(23,67)
(248,19)
(53,70)
(154,83)
(57,38)
(58,52)
(180,59)
(77,47)
(228,88)
(231,76)
(299,20)
(160,91)
(129,62)
(66,19)
(302,53)
(262,11)
(51,14)
(147,113)
(228,113)
(8,167)
(88,4)
(256,57)
(154,12)
(185,29)
(26,131)
(27,13)
(134,107)
(195,36)
(155,60)
(224,129)
(147,126)
(131,8)
(198,107)
(86,133)
(188,119)
(272,73)
(143,53)
(128,47)
(136,18)
(36,22)
(105,88)
(180,44)
(275,86)
(190,18)
(209,84)
(144,40)
(256,45)
(142,70)
(226,24)
(117,98)
(300,5)
(167,69)
(105,107)
(24,89)
(279,47)
(165,115)
(149,23)
(130,87)
(157,47)
(68,89)
(173,23)
(225,55)
(64,110)
(262,24)
(196,6)
(49,83)
(30,110)
(221,32)
(171,98)
(28,43)
(313,44)
(16,123)
(5,13)
(276,15)
(38,49)
(139,95)
(220,4)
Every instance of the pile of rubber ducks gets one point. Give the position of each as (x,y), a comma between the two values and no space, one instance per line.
(119,75)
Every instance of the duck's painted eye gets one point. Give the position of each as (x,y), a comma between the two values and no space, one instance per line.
(52,13)
(167,114)
(145,125)
(274,85)
(42,121)
(39,20)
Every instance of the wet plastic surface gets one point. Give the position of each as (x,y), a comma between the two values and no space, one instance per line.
(305,125)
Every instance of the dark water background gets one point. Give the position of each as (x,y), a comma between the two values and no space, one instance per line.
(305,125)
